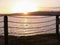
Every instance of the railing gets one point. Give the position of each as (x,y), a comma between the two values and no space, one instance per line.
(57,14)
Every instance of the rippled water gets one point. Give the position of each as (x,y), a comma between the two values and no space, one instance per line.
(29,25)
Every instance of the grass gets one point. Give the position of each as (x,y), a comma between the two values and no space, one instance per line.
(43,39)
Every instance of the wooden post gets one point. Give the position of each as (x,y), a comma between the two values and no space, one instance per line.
(6,29)
(57,26)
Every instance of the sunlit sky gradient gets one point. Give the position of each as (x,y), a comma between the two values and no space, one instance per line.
(13,6)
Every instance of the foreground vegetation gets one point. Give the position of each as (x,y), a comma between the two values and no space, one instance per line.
(44,39)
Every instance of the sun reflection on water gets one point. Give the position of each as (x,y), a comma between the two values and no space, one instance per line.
(25,25)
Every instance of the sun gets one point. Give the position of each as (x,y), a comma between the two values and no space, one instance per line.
(24,7)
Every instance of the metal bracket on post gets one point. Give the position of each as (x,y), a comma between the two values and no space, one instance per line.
(6,29)
(57,27)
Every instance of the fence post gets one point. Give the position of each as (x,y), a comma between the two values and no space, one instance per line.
(6,29)
(57,26)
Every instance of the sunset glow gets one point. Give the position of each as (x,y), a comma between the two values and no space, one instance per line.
(24,7)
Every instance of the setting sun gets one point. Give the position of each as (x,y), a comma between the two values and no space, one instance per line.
(24,7)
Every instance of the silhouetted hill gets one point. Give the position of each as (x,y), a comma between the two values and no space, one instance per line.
(36,13)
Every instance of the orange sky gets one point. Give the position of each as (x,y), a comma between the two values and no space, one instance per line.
(14,6)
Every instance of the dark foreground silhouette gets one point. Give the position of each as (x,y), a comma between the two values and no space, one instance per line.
(44,39)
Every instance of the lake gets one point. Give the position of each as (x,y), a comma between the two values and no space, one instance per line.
(29,25)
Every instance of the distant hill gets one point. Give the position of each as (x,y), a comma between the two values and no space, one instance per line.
(40,10)
(35,13)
